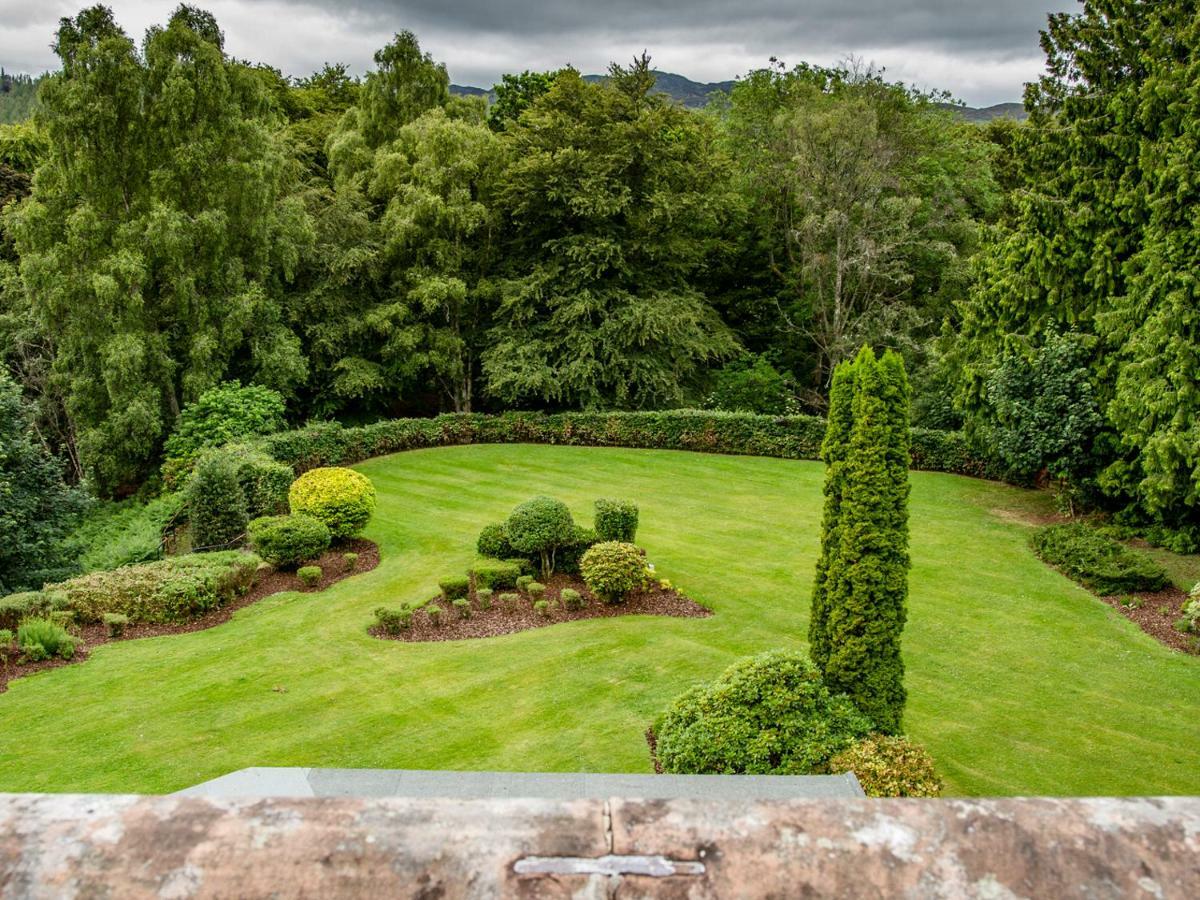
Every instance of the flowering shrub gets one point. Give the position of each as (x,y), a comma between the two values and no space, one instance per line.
(341,498)
(612,569)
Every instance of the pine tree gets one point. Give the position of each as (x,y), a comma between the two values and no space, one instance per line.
(833,452)
(866,585)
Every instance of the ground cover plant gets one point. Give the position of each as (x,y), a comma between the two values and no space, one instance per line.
(1019,681)
(1097,561)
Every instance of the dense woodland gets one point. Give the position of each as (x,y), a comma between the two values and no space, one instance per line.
(175,219)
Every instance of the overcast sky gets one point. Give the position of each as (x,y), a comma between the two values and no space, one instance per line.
(983,51)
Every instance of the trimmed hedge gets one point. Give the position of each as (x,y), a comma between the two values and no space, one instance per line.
(1096,561)
(706,431)
(287,541)
(16,608)
(495,573)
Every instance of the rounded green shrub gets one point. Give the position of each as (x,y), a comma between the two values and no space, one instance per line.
(393,621)
(769,714)
(612,569)
(542,608)
(1096,561)
(116,624)
(455,586)
(310,576)
(287,541)
(351,561)
(484,596)
(538,527)
(571,599)
(43,639)
(510,599)
(523,582)
(493,542)
(890,767)
(341,498)
(536,590)
(462,606)
(616,520)
(435,614)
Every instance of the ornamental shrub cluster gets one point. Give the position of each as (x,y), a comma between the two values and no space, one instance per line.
(287,541)
(890,767)
(16,608)
(341,498)
(1096,561)
(230,486)
(611,569)
(176,589)
(705,431)
(769,714)
(222,415)
(538,527)
(861,587)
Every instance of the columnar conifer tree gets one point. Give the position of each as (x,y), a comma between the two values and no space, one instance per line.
(865,555)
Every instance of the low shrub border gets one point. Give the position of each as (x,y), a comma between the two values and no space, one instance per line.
(744,434)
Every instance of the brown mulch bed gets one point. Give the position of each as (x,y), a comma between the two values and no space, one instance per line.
(1156,615)
(501,619)
(274,581)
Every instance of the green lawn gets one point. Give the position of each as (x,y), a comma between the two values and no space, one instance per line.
(1019,682)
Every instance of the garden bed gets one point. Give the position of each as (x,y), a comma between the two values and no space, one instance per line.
(333,569)
(1156,612)
(521,616)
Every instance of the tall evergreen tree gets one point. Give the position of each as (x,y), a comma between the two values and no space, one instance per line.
(867,576)
(834,449)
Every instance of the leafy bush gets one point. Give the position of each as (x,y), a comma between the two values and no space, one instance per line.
(43,639)
(769,714)
(341,498)
(752,384)
(616,520)
(176,589)
(220,416)
(510,600)
(287,541)
(118,534)
(455,586)
(539,527)
(310,576)
(393,621)
(890,767)
(1191,612)
(612,569)
(536,590)
(1096,561)
(567,558)
(462,606)
(542,608)
(351,561)
(116,622)
(571,598)
(524,565)
(264,481)
(484,596)
(523,582)
(435,614)
(495,573)
(493,542)
(15,608)
(216,502)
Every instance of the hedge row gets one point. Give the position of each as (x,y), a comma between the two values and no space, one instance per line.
(788,437)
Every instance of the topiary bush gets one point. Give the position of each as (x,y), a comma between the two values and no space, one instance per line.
(1096,561)
(493,542)
(455,586)
(435,614)
(310,576)
(509,599)
(43,639)
(351,561)
(393,621)
(616,520)
(523,582)
(462,606)
(341,498)
(571,599)
(612,569)
(542,608)
(567,557)
(769,714)
(287,541)
(495,573)
(484,596)
(216,503)
(536,590)
(115,623)
(538,527)
(890,767)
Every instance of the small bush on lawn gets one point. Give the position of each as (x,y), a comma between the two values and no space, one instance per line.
(538,527)
(523,582)
(493,542)
(484,596)
(495,573)
(176,589)
(462,606)
(455,586)
(351,561)
(616,520)
(216,502)
(612,569)
(310,576)
(341,498)
(287,541)
(542,608)
(890,767)
(115,622)
(1096,561)
(435,614)
(536,590)
(42,639)
(393,621)
(567,558)
(571,599)
(769,714)
(509,600)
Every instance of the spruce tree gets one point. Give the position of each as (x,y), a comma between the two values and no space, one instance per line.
(866,584)
(833,451)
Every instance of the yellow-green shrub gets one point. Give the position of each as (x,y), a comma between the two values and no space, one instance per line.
(341,498)
(890,767)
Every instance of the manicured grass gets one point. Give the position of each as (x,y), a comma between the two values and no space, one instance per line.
(1019,681)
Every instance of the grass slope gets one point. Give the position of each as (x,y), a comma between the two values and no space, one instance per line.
(1019,681)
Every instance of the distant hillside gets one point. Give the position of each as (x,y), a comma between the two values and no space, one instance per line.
(18,93)
(985,114)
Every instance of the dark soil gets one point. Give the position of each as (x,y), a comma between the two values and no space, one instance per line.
(272,581)
(521,616)
(1156,612)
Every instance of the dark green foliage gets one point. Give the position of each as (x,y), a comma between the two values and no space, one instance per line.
(223,415)
(265,482)
(567,557)
(495,573)
(612,569)
(126,532)
(514,94)
(571,599)
(890,767)
(44,639)
(1096,561)
(115,623)
(310,576)
(287,541)
(525,564)
(539,527)
(216,502)
(176,589)
(455,586)
(769,714)
(493,542)
(866,576)
(752,384)
(37,508)
(616,520)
